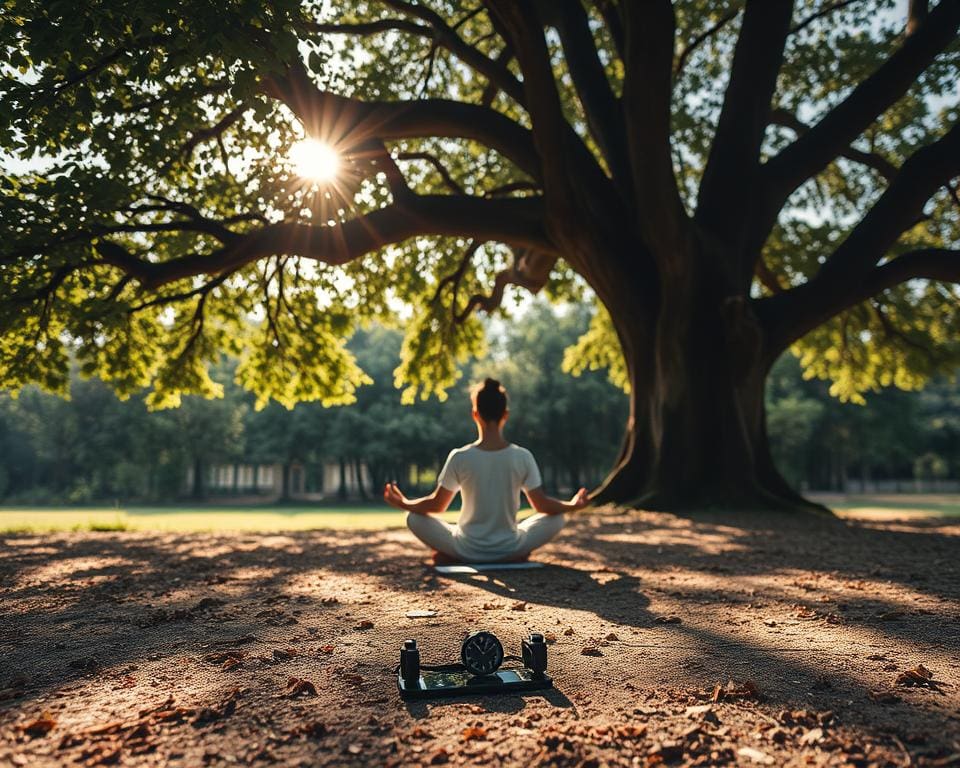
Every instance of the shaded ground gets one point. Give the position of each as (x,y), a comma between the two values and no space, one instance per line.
(179,649)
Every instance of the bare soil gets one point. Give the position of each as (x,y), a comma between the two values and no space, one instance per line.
(707,639)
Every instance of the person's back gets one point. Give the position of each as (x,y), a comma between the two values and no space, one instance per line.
(489,482)
(489,473)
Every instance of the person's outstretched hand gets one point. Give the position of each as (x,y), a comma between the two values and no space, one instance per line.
(394,496)
(579,500)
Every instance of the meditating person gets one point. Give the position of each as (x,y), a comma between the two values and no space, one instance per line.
(489,473)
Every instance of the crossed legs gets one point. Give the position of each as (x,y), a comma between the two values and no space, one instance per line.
(532,533)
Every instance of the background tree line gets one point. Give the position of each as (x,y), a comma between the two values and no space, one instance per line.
(95,447)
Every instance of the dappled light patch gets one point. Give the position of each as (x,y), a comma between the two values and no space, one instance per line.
(827,619)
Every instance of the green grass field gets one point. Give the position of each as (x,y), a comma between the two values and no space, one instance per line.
(293,518)
(176,518)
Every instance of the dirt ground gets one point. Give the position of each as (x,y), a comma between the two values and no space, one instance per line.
(696,640)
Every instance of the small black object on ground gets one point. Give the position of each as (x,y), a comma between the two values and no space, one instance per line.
(478,670)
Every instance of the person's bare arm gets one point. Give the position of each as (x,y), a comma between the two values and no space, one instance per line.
(436,502)
(548,505)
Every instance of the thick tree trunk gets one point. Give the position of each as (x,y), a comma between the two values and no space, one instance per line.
(696,436)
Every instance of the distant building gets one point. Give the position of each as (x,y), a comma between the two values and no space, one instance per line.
(265,482)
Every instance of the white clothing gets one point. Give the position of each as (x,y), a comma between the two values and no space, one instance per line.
(444,537)
(489,483)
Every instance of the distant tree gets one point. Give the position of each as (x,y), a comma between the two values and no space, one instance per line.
(570,423)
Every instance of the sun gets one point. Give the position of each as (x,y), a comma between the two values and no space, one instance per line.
(314,160)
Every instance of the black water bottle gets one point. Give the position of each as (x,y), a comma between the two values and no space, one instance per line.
(534,652)
(410,662)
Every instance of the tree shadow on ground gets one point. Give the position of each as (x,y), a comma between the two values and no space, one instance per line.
(81,610)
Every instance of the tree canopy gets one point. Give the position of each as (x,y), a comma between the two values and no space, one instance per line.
(799,157)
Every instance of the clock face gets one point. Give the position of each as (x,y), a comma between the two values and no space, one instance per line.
(482,653)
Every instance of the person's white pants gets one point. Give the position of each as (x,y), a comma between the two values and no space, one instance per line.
(533,532)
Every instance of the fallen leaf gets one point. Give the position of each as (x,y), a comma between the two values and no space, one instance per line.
(365,624)
(325,649)
(474,732)
(668,620)
(568,631)
(42,725)
(920,677)
(549,637)
(813,736)
(732,690)
(297,687)
(591,650)
(519,606)
(612,636)
(439,757)
(755,755)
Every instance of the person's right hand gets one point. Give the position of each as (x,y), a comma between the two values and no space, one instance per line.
(393,496)
(579,500)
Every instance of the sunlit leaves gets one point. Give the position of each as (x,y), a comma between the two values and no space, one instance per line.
(902,340)
(596,349)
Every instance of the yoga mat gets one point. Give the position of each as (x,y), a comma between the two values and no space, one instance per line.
(481,567)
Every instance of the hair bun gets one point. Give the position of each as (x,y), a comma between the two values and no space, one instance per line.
(489,383)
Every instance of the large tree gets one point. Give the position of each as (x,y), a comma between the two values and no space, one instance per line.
(729,179)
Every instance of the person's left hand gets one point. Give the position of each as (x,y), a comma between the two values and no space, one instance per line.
(393,496)
(580,499)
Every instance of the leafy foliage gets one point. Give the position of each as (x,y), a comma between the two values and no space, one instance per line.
(151,127)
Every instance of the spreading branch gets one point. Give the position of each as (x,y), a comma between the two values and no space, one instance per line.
(815,306)
(700,39)
(849,275)
(530,270)
(522,28)
(447,37)
(602,110)
(515,221)
(878,162)
(347,123)
(734,159)
(816,148)
(826,10)
(438,166)
(649,30)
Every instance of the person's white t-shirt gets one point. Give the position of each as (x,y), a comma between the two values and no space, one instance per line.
(490,483)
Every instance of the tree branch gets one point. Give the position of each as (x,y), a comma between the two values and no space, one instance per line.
(521,27)
(611,17)
(734,160)
(367,28)
(916,15)
(515,221)
(447,37)
(701,39)
(346,122)
(530,270)
(873,160)
(438,166)
(824,11)
(815,149)
(649,30)
(213,132)
(814,306)
(602,110)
